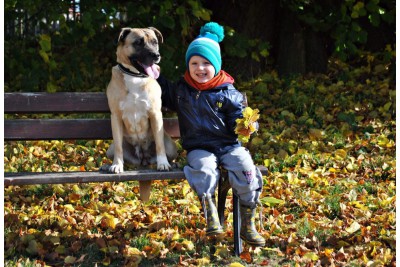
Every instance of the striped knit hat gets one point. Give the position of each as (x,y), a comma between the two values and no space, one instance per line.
(206,45)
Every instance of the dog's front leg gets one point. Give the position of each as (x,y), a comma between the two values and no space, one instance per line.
(117,132)
(156,122)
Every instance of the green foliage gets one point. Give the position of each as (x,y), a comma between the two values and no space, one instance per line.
(49,48)
(79,53)
(347,23)
(238,45)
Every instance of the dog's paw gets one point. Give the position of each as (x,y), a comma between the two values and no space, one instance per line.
(117,167)
(163,164)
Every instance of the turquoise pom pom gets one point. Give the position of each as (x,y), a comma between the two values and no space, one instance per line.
(214,28)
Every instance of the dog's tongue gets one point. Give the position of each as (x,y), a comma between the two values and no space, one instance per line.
(152,70)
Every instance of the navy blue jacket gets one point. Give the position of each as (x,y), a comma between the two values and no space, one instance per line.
(207,119)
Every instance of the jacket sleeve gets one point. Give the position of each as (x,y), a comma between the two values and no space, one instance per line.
(168,90)
(234,109)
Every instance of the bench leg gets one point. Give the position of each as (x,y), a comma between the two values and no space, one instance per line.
(237,241)
(223,188)
(144,190)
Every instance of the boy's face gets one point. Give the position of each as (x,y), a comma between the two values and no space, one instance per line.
(200,69)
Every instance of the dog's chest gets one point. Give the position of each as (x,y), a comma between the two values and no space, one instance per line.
(135,106)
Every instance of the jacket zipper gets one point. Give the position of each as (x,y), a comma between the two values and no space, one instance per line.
(198,94)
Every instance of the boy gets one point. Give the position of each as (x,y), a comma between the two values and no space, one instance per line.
(207,105)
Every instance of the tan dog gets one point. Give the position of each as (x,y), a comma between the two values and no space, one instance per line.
(134,98)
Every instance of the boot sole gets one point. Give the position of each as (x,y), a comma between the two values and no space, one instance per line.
(215,232)
(252,243)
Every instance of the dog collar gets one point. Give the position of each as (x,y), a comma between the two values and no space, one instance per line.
(129,72)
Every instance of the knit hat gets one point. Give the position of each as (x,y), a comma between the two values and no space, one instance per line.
(206,45)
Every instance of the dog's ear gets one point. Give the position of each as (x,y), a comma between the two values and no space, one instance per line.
(158,34)
(122,35)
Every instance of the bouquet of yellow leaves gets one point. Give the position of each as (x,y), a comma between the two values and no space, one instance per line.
(247,125)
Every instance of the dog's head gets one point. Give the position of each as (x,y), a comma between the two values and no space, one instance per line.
(139,46)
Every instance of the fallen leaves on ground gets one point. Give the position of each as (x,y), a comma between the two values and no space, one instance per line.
(328,200)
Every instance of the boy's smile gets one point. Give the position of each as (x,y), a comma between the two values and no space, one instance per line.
(200,69)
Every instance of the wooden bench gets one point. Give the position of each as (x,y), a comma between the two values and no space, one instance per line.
(88,129)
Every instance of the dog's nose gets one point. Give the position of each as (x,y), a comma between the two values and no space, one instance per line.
(155,55)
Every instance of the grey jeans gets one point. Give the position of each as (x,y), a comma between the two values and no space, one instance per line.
(245,178)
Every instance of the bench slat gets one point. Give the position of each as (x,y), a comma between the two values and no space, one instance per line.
(88,177)
(29,178)
(43,129)
(55,103)
(66,129)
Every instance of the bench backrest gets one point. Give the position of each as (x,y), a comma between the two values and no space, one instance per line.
(85,127)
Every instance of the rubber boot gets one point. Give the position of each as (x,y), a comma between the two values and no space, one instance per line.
(211,215)
(248,230)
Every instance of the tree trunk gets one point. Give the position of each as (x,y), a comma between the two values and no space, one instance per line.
(295,49)
(291,56)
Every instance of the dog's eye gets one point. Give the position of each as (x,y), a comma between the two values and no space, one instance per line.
(138,41)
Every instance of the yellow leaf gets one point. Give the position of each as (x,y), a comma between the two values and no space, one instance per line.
(194,209)
(186,189)
(390,144)
(188,245)
(109,221)
(236,264)
(328,252)
(267,162)
(354,227)
(182,201)
(382,140)
(359,205)
(223,251)
(69,207)
(203,262)
(388,201)
(76,188)
(293,178)
(340,154)
(271,201)
(246,126)
(130,251)
(59,189)
(332,170)
(311,255)
(156,248)
(176,236)
(106,261)
(132,203)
